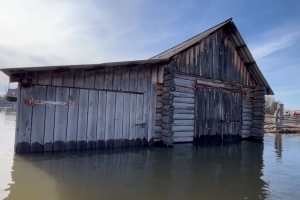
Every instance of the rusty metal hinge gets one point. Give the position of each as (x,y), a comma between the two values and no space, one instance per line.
(32,102)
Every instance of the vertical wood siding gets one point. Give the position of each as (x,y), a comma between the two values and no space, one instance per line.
(115,106)
(215,57)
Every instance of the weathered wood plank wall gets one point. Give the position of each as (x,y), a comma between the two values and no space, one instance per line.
(214,57)
(115,107)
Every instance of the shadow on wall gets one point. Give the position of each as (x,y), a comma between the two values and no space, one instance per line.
(182,172)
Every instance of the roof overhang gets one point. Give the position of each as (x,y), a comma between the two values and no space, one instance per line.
(247,57)
(132,63)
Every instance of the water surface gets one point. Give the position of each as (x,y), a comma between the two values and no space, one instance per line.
(249,170)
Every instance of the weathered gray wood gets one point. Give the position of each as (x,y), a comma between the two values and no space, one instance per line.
(258,105)
(244,110)
(158,116)
(256,131)
(126,120)
(247,106)
(119,120)
(69,78)
(158,129)
(167,102)
(167,126)
(246,114)
(159,86)
(38,120)
(183,111)
(61,120)
(57,78)
(157,135)
(182,128)
(139,126)
(91,135)
(158,123)
(132,132)
(110,119)
(247,127)
(184,82)
(89,79)
(167,120)
(101,120)
(100,78)
(72,120)
(167,133)
(160,74)
(258,121)
(258,114)
(45,77)
(159,104)
(183,122)
(108,82)
(247,118)
(183,95)
(260,88)
(183,106)
(167,140)
(49,120)
(152,104)
(169,83)
(168,89)
(79,78)
(169,76)
(117,78)
(183,116)
(82,118)
(167,113)
(159,98)
(184,100)
(17,114)
(184,90)
(168,108)
(167,96)
(125,79)
(183,139)
(183,134)
(247,123)
(147,97)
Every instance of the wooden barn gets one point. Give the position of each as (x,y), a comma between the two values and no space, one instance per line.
(207,88)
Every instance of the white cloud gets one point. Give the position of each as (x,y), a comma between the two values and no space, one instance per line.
(276,44)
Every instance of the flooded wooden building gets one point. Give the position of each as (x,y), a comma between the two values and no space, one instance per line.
(204,89)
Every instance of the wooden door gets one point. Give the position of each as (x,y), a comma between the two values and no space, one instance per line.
(218,112)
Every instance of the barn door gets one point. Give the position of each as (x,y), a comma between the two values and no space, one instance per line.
(217,112)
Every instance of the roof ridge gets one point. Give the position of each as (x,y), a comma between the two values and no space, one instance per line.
(222,23)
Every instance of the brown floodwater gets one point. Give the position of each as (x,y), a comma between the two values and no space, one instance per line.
(249,170)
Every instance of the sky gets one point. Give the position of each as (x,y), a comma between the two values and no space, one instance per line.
(56,32)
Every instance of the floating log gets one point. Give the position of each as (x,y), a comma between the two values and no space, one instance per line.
(167,113)
(183,139)
(159,104)
(184,95)
(167,126)
(167,120)
(167,133)
(167,102)
(167,140)
(183,111)
(183,106)
(167,96)
(158,129)
(183,116)
(158,116)
(183,122)
(184,134)
(183,128)
(169,76)
(168,108)
(168,89)
(184,100)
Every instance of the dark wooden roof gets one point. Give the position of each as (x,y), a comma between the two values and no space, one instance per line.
(237,40)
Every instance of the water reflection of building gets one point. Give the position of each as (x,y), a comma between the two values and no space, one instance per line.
(182,172)
(278,145)
(11,95)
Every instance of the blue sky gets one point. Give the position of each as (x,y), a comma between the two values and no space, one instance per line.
(35,33)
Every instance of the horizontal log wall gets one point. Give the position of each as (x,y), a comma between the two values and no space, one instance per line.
(247,112)
(258,112)
(115,106)
(184,108)
(214,57)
